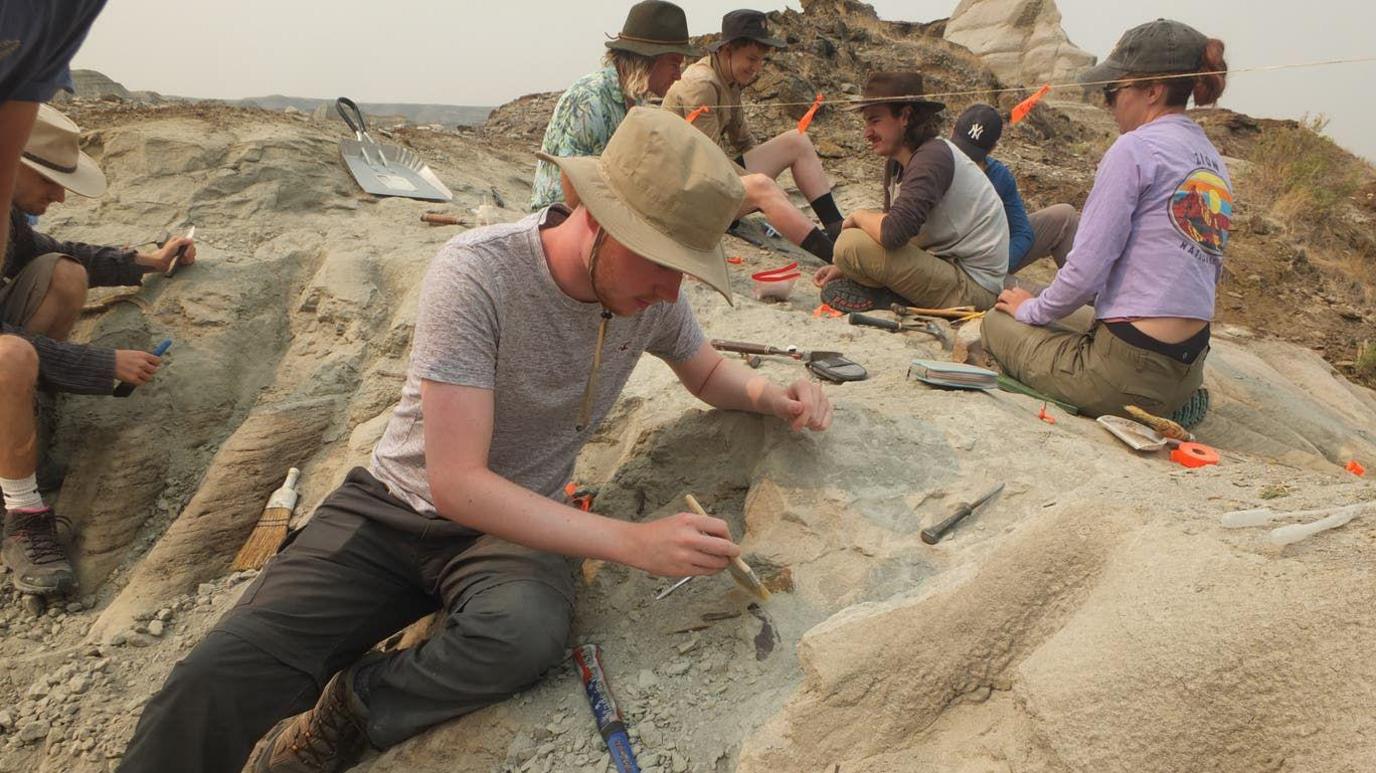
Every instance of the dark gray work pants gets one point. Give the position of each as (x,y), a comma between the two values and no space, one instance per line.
(350,579)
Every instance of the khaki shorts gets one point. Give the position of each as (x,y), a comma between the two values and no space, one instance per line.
(919,276)
(21,296)
(1096,371)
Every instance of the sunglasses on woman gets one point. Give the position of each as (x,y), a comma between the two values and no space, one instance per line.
(1111,92)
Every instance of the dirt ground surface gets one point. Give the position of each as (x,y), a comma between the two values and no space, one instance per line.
(1095,615)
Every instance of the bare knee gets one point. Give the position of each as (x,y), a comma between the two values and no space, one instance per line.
(69,283)
(18,363)
(802,146)
(760,188)
(760,192)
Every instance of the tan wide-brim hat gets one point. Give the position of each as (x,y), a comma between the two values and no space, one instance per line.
(54,151)
(663,190)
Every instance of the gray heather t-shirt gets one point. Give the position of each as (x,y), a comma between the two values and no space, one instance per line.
(492,317)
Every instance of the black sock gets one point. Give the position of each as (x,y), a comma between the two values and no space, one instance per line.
(818,243)
(833,230)
(825,208)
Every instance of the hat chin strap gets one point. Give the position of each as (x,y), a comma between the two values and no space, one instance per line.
(597,244)
(590,389)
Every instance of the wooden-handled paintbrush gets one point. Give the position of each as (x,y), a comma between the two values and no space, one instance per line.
(740,570)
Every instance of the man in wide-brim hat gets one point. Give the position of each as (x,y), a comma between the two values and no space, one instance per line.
(941,239)
(43,285)
(641,63)
(715,82)
(525,336)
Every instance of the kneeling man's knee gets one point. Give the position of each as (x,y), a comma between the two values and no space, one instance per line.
(851,248)
(18,360)
(529,622)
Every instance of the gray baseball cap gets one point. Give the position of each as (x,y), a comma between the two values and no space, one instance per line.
(1161,46)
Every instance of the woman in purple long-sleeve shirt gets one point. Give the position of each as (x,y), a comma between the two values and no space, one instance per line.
(1150,244)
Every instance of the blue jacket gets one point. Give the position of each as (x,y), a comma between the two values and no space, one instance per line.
(1019,229)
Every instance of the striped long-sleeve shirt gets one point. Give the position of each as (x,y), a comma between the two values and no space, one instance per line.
(63,366)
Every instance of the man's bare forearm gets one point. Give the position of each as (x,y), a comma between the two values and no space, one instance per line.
(733,387)
(480,499)
(871,222)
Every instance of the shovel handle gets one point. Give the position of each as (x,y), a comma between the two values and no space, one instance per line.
(868,321)
(744,348)
(438,218)
(345,106)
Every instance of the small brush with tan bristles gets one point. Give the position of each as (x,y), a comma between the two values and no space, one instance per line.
(740,570)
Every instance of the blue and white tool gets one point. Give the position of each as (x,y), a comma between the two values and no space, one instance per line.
(124,388)
(609,721)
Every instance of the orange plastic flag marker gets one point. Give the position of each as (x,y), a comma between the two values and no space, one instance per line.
(1024,107)
(735,260)
(1355,467)
(826,311)
(1044,416)
(693,116)
(578,497)
(806,120)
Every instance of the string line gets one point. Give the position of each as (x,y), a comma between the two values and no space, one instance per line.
(1077,85)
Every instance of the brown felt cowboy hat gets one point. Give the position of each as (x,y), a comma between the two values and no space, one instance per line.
(54,151)
(745,24)
(902,87)
(652,28)
(664,191)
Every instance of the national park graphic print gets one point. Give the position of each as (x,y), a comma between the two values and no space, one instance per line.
(1202,210)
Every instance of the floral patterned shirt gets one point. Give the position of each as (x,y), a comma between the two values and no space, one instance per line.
(583,121)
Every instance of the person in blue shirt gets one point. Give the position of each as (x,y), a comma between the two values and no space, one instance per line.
(37,41)
(1049,231)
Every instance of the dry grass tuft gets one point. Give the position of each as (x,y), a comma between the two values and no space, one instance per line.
(1303,176)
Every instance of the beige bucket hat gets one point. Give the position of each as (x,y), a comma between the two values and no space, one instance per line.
(664,190)
(54,151)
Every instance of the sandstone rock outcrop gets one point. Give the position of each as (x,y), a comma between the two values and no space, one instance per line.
(1022,41)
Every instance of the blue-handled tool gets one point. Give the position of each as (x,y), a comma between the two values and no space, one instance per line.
(609,721)
(124,388)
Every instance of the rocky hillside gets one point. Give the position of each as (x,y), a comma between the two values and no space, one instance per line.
(93,85)
(1094,617)
(1301,266)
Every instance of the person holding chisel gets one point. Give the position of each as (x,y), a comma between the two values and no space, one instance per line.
(43,284)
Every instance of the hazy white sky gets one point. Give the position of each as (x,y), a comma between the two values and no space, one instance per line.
(485,53)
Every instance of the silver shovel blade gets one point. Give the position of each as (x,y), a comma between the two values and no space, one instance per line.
(382,170)
(1138,437)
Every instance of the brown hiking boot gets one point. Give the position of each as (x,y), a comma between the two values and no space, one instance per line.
(327,739)
(34,554)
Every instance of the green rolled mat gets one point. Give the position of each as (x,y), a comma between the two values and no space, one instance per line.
(1009,384)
